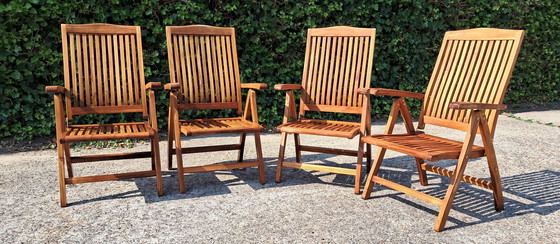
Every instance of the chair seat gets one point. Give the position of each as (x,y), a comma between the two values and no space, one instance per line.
(102,132)
(195,127)
(431,148)
(322,128)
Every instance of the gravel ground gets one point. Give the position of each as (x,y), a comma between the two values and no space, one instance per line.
(313,207)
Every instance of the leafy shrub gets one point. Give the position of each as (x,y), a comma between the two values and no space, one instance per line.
(271,42)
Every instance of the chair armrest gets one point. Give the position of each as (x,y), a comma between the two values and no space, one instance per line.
(172,86)
(286,87)
(153,85)
(55,89)
(389,92)
(256,86)
(479,106)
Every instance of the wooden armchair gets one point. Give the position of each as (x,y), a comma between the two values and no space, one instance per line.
(338,62)
(465,92)
(204,75)
(103,74)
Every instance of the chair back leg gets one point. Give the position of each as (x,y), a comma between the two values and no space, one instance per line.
(283,138)
(260,158)
(241,147)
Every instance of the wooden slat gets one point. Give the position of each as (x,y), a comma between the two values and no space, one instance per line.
(217,167)
(91,80)
(111,68)
(343,67)
(322,168)
(122,62)
(136,81)
(100,28)
(188,150)
(332,108)
(105,157)
(106,89)
(107,109)
(337,151)
(204,106)
(73,49)
(109,177)
(319,93)
(81,84)
(408,191)
(329,81)
(98,88)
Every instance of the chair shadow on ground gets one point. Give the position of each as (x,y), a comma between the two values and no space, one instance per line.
(535,192)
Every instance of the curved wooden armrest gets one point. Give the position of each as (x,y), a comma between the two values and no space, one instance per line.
(256,86)
(153,85)
(287,87)
(55,89)
(389,92)
(172,86)
(479,106)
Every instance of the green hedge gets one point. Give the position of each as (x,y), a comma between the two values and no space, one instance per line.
(271,42)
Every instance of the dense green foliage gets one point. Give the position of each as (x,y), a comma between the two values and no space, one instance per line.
(271,42)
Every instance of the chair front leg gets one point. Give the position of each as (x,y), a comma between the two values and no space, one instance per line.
(170,136)
(260,158)
(492,164)
(358,176)
(61,176)
(156,165)
(368,188)
(458,173)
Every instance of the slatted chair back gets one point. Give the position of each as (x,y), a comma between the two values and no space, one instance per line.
(103,69)
(338,61)
(472,66)
(203,59)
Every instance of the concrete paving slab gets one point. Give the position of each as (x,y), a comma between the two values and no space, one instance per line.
(307,207)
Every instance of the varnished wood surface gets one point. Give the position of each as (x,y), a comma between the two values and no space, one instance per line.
(195,127)
(204,75)
(338,63)
(321,128)
(465,92)
(427,147)
(103,74)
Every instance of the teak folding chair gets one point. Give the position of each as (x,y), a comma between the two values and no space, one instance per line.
(338,62)
(103,74)
(465,92)
(204,75)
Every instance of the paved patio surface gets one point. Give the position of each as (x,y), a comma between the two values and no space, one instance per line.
(311,207)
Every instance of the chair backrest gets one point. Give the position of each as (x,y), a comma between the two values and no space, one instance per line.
(472,66)
(203,59)
(338,61)
(103,69)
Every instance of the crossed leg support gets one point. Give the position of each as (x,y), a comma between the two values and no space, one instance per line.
(478,121)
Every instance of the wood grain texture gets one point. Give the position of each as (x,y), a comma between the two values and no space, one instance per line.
(103,74)
(465,92)
(204,75)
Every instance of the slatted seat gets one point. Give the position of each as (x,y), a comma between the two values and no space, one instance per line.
(338,62)
(204,74)
(465,92)
(321,128)
(103,74)
(196,127)
(77,133)
(427,147)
